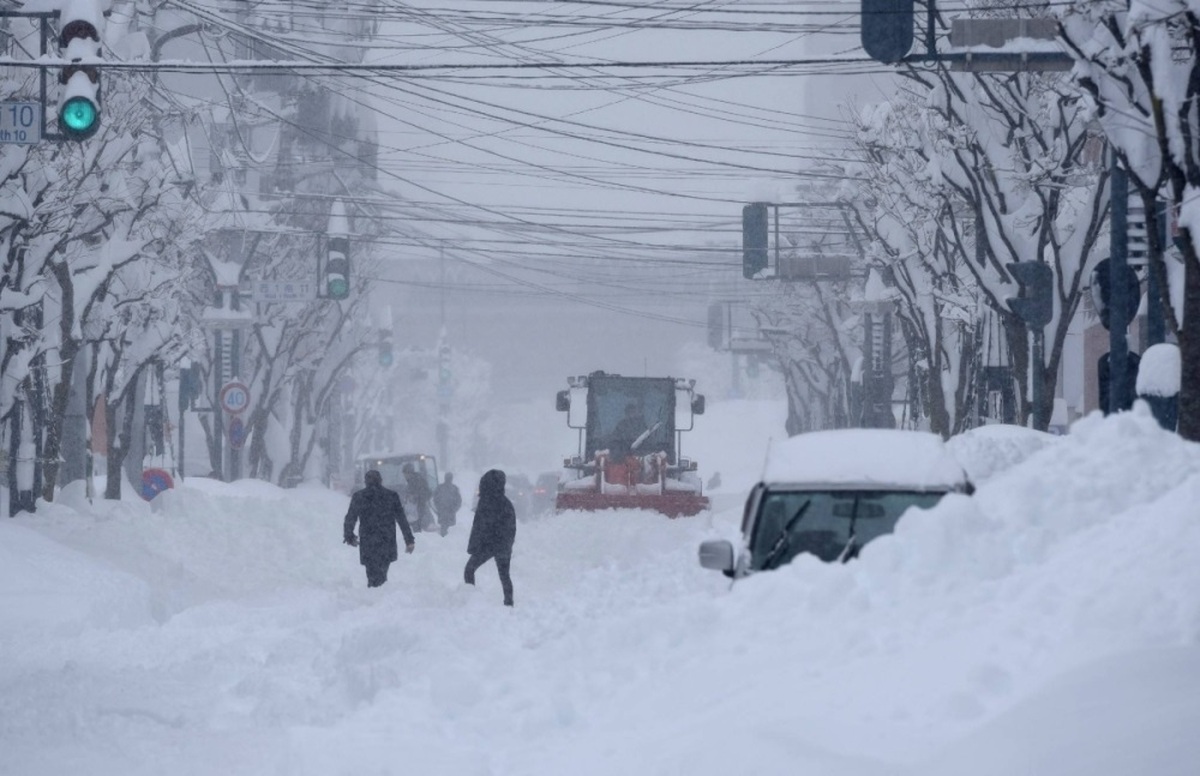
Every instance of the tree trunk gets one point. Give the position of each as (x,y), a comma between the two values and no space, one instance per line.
(1189,349)
(52,446)
(118,442)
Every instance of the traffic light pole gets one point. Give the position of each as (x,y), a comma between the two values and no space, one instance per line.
(1037,378)
(44,32)
(1119,302)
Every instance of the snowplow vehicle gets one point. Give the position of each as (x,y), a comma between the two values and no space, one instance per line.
(630,439)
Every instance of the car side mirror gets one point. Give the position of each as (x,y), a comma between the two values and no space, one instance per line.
(717,554)
(698,404)
(562,401)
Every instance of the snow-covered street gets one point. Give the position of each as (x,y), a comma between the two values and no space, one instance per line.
(1049,624)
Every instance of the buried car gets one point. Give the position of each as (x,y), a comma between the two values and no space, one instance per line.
(829,493)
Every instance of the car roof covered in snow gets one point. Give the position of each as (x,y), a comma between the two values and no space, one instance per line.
(910,460)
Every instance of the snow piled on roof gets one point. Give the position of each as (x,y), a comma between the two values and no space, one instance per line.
(913,459)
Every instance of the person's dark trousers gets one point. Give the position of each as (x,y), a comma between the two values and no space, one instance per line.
(377,574)
(502,565)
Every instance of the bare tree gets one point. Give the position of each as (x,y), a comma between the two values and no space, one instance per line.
(1008,152)
(1138,63)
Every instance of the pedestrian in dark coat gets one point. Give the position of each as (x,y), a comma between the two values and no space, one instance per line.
(377,511)
(446,502)
(493,532)
(419,492)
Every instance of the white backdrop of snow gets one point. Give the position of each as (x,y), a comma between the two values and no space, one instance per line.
(1046,625)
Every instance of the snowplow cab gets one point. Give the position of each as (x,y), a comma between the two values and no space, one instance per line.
(630,439)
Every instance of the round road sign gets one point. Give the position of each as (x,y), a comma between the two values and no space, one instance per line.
(235,397)
(155,481)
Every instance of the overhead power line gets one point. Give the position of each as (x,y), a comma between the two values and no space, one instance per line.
(247,67)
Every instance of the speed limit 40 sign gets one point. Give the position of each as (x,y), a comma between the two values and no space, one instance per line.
(235,397)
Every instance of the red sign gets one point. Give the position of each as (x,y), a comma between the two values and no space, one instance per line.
(155,481)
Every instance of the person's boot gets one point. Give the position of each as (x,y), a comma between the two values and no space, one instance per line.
(508,602)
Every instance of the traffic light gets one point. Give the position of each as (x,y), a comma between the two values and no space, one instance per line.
(1035,305)
(887,29)
(337,268)
(79,40)
(755,235)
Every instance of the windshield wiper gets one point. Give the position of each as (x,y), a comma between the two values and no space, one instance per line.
(785,539)
(851,548)
(642,438)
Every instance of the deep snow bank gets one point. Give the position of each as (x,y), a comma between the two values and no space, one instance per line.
(993,626)
(48,588)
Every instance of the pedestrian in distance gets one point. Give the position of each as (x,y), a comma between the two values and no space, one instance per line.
(419,492)
(446,502)
(377,511)
(493,532)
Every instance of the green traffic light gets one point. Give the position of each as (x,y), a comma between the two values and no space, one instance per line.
(338,288)
(79,116)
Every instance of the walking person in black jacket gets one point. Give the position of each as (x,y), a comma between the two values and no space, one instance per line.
(493,532)
(378,511)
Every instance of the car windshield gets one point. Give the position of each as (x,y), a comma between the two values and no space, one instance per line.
(830,524)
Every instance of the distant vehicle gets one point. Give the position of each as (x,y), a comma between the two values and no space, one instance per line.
(829,493)
(544,492)
(391,468)
(519,490)
(630,445)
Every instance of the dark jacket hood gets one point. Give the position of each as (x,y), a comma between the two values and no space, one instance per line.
(491,484)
